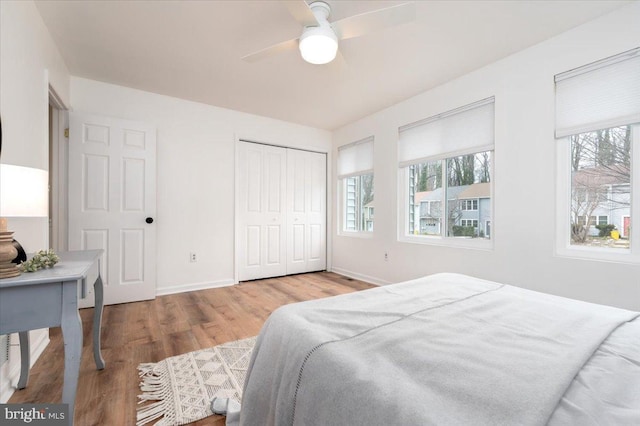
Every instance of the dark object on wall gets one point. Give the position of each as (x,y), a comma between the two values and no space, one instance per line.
(22,256)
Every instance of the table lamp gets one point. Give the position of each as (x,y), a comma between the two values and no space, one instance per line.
(24,192)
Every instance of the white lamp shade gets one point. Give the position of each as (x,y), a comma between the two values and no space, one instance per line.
(318,45)
(24,191)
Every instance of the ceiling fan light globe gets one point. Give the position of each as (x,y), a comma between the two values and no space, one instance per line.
(318,45)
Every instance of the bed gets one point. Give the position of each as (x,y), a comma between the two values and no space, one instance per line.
(446,349)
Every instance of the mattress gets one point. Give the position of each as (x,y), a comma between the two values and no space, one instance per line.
(446,349)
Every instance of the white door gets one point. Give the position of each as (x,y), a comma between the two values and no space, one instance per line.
(112,199)
(306,211)
(261,211)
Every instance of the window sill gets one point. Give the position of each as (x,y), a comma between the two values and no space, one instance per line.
(615,255)
(466,243)
(356,234)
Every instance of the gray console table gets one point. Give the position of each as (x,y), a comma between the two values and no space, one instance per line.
(49,298)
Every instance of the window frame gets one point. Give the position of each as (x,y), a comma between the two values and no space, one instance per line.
(357,162)
(472,201)
(468,129)
(342,210)
(463,221)
(564,248)
(404,194)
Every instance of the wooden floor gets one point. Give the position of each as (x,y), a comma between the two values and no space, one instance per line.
(134,333)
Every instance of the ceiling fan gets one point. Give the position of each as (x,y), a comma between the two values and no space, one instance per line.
(318,43)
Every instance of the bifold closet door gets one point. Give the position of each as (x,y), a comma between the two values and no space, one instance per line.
(306,211)
(262,217)
(281,211)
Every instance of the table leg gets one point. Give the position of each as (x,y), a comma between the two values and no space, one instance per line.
(97,322)
(25,360)
(72,336)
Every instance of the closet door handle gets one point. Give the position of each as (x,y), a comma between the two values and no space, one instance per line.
(149,220)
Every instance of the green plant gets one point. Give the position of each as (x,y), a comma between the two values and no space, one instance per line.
(464,231)
(42,259)
(605,230)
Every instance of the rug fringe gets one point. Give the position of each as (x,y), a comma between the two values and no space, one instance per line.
(150,413)
(146,368)
(155,386)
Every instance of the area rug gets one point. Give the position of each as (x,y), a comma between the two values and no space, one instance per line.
(182,387)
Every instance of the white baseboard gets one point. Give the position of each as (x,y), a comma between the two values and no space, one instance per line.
(361,277)
(193,287)
(10,371)
(6,390)
(39,347)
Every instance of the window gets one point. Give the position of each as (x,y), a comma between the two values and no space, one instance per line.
(424,206)
(446,167)
(597,116)
(469,204)
(358,192)
(593,220)
(600,186)
(355,175)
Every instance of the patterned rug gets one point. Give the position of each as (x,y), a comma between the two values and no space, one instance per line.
(181,387)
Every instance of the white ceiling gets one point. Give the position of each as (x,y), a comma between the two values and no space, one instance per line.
(192,50)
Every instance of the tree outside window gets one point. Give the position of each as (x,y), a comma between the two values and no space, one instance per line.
(601,187)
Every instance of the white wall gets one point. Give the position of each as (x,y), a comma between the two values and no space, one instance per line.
(524,177)
(195,174)
(29,62)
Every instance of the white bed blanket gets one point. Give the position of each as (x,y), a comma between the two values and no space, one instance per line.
(446,349)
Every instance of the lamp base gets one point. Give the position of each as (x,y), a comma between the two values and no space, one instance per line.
(8,252)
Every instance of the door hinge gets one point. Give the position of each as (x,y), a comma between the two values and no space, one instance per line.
(66,132)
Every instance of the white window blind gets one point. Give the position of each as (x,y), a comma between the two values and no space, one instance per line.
(600,95)
(461,131)
(356,158)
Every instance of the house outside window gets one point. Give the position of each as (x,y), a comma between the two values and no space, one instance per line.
(448,193)
(355,177)
(368,212)
(473,190)
(598,132)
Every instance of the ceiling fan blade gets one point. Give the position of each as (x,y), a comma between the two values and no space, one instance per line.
(271,50)
(357,25)
(301,12)
(339,63)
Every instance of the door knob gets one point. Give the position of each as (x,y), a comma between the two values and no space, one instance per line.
(149,220)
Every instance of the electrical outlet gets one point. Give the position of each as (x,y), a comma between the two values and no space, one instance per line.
(386,256)
(193,257)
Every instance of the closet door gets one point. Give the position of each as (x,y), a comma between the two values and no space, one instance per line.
(261,215)
(306,211)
